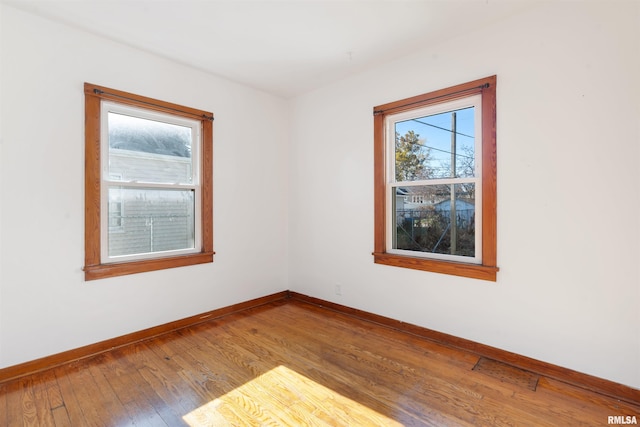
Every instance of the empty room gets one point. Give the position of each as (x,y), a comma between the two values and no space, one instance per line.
(319,213)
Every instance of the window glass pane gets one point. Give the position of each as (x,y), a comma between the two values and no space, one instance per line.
(436,146)
(150,220)
(426,220)
(148,150)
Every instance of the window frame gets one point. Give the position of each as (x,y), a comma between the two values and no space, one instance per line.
(95,267)
(487,269)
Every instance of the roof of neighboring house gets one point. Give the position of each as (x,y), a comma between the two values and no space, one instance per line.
(150,141)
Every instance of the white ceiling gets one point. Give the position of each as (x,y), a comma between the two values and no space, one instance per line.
(282,47)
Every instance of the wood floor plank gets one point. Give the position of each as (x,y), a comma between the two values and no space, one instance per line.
(581,405)
(54,394)
(130,389)
(41,386)
(496,397)
(68,395)
(12,394)
(28,400)
(379,337)
(13,407)
(366,364)
(98,406)
(27,403)
(247,384)
(163,378)
(317,359)
(4,392)
(242,350)
(326,362)
(61,417)
(108,397)
(292,363)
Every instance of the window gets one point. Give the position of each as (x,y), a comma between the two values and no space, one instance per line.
(417,198)
(148,184)
(435,181)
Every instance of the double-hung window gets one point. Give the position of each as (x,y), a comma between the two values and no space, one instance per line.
(148,184)
(435,181)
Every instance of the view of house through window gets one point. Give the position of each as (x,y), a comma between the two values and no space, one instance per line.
(435,174)
(151,182)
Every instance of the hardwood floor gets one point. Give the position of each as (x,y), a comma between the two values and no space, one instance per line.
(290,363)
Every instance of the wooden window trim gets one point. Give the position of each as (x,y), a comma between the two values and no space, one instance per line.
(487,270)
(93,267)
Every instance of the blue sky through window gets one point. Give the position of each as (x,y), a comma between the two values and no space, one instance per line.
(435,133)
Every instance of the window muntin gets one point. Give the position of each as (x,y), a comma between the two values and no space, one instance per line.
(390,192)
(433,164)
(150,169)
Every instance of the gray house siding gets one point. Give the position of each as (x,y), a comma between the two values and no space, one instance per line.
(143,220)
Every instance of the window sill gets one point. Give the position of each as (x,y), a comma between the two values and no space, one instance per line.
(474,271)
(102,271)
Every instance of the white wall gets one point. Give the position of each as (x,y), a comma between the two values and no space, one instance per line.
(568,145)
(568,291)
(45,306)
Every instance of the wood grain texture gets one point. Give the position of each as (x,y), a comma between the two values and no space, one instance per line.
(92,181)
(578,379)
(291,363)
(507,373)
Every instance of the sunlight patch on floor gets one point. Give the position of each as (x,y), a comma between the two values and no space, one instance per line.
(283,397)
